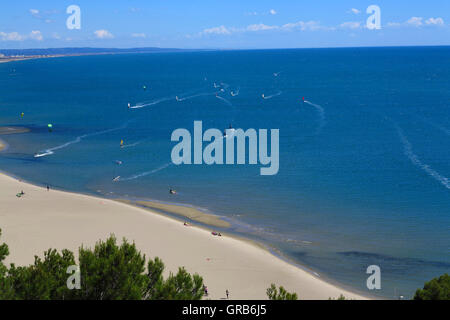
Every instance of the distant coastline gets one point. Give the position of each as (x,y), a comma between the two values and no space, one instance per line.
(9,55)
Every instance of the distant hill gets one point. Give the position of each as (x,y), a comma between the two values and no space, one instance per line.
(86,50)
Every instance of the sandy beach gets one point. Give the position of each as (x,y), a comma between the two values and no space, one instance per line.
(44,219)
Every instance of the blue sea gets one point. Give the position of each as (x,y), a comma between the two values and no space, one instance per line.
(364,174)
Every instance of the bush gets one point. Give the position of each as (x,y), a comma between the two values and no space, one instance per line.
(436,289)
(280,294)
(108,272)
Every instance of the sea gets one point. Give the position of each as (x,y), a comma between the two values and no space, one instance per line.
(364,147)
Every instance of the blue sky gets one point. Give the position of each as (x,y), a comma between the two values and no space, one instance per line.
(228,24)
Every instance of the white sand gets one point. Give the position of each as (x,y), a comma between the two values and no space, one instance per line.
(41,220)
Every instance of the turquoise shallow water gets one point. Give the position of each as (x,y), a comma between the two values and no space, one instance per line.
(364,167)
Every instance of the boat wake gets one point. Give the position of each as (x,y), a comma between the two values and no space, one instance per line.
(321,113)
(78,139)
(434,125)
(131,145)
(272,96)
(143,174)
(408,150)
(194,96)
(224,100)
(235,93)
(151,103)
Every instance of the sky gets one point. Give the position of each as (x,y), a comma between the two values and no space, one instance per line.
(225,24)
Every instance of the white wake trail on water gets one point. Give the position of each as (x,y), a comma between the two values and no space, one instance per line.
(132,144)
(321,112)
(151,103)
(235,93)
(195,96)
(408,150)
(435,125)
(226,101)
(146,173)
(78,139)
(272,95)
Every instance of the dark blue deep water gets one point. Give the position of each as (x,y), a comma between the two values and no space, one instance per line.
(364,166)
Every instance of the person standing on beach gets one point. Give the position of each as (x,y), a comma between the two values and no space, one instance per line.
(48,188)
(227,293)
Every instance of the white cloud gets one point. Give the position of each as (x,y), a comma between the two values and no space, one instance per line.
(217,30)
(103,34)
(34,13)
(272,12)
(394,24)
(418,22)
(350,25)
(11,36)
(355,11)
(303,26)
(139,35)
(435,21)
(55,35)
(15,36)
(300,25)
(415,21)
(36,35)
(260,27)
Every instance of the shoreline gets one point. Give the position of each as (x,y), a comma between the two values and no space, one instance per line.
(232,251)
(3,145)
(7,130)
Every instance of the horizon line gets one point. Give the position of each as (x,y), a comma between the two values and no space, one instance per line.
(222,49)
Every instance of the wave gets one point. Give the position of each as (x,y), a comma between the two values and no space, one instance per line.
(143,174)
(408,150)
(272,96)
(321,112)
(151,103)
(78,139)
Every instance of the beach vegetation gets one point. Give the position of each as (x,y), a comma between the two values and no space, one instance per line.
(341,297)
(107,272)
(435,289)
(280,294)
